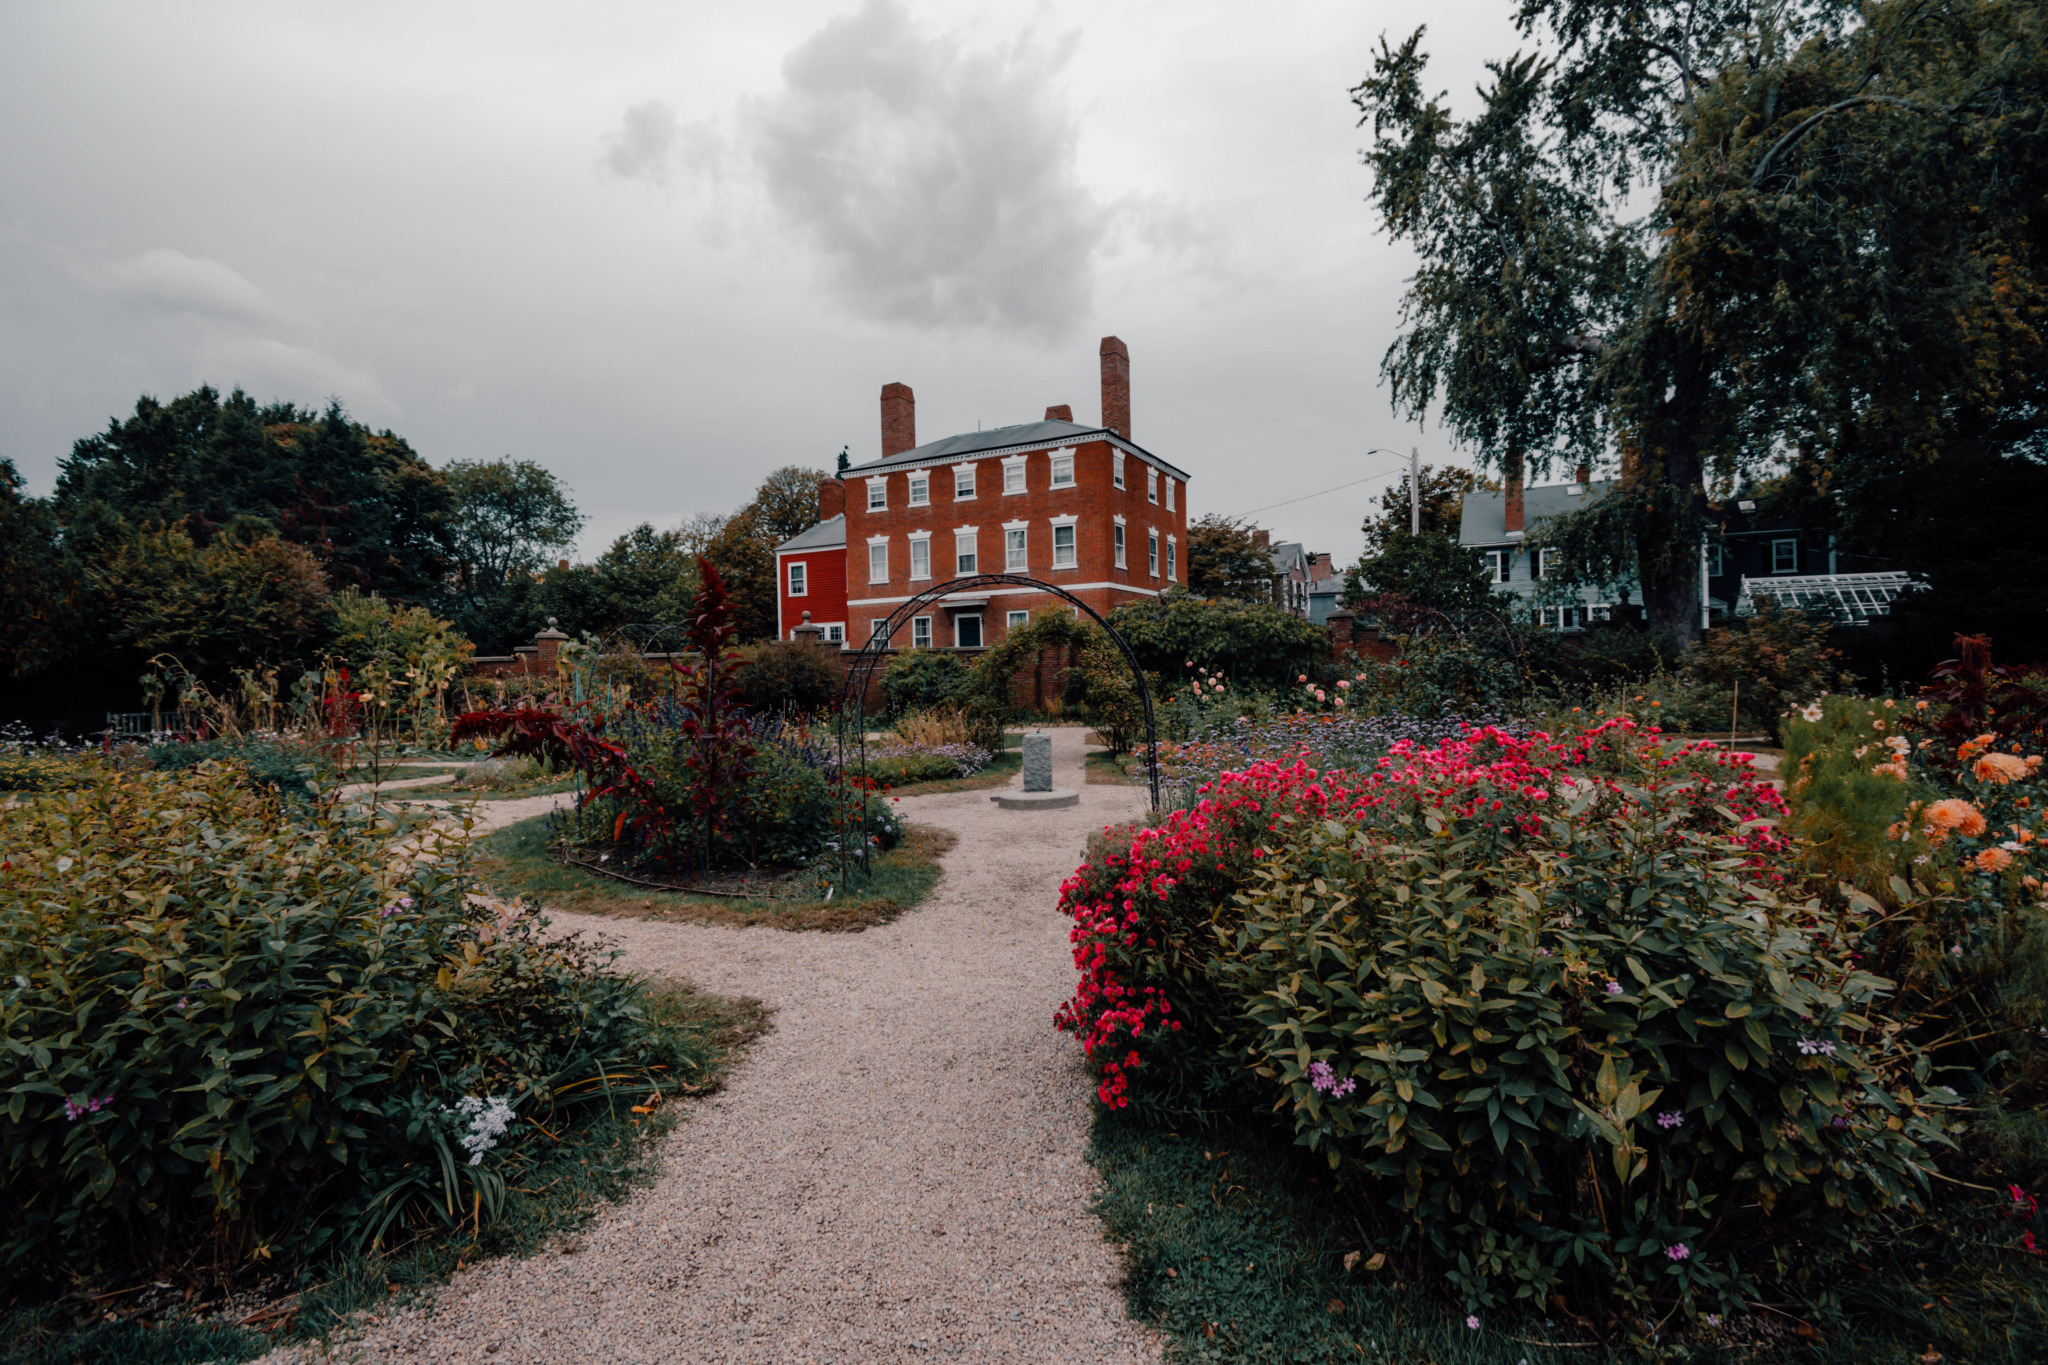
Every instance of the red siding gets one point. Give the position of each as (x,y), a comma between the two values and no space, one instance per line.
(825,596)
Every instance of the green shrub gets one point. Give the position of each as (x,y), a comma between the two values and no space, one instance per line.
(921,678)
(238,1028)
(285,767)
(1780,657)
(789,674)
(1539,996)
(1252,643)
(26,768)
(1843,793)
(1437,675)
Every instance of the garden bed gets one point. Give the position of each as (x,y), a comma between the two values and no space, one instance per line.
(518,861)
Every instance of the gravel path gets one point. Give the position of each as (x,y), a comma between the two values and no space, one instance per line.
(895,1173)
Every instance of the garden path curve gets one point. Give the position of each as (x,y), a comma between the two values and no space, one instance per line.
(896,1172)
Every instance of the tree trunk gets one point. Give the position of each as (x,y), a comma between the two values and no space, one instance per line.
(1671,510)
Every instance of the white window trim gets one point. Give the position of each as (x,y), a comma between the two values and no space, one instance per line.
(794,570)
(1152,552)
(1063,453)
(878,484)
(1169,492)
(1014,619)
(1023,527)
(875,542)
(1017,462)
(1793,541)
(980,628)
(973,482)
(916,538)
(1172,557)
(1151,484)
(926,622)
(1118,541)
(875,624)
(910,485)
(1072,522)
(1116,467)
(972,537)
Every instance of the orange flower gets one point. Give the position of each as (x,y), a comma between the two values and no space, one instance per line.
(1971,748)
(1999,769)
(1895,832)
(1894,769)
(1958,815)
(1992,860)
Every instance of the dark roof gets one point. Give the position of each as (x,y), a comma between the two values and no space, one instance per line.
(1483,515)
(1003,438)
(826,535)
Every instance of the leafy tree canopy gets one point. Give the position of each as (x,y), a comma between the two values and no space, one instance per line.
(370,511)
(742,546)
(1443,492)
(510,517)
(41,591)
(1252,642)
(1837,263)
(1430,570)
(1224,561)
(233,602)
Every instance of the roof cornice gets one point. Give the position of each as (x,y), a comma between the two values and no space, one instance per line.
(904,461)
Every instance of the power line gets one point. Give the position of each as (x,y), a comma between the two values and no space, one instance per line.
(1325,493)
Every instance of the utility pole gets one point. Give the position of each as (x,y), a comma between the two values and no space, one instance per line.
(1414,490)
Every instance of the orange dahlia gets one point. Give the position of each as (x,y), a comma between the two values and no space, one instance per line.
(1955,814)
(1999,769)
(1992,860)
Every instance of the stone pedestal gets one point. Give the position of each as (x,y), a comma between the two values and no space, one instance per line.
(1038,793)
(1038,762)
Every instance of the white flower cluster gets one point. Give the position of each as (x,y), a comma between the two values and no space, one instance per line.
(488,1120)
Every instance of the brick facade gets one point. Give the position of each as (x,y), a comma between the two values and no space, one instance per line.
(1046,500)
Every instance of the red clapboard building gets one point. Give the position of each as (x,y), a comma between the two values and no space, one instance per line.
(1083,507)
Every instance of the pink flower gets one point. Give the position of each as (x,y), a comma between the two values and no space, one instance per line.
(1473,1322)
(1677,1251)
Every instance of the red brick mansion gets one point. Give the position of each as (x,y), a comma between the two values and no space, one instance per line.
(1082,507)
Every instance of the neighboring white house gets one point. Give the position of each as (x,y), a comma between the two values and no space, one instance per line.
(1495,524)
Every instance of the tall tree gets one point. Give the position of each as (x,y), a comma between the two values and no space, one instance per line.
(1225,560)
(41,592)
(742,546)
(368,508)
(1443,490)
(1837,258)
(510,517)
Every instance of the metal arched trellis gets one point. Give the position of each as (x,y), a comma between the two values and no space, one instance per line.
(861,669)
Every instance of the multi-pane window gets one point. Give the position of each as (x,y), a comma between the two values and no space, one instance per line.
(1170,555)
(921,557)
(878,494)
(1063,470)
(835,635)
(1013,551)
(920,632)
(1784,556)
(1499,563)
(1541,566)
(1063,556)
(963,482)
(878,562)
(1013,476)
(1120,545)
(1151,484)
(967,631)
(878,627)
(920,490)
(797,584)
(1152,552)
(964,557)
(1016,620)
(1169,494)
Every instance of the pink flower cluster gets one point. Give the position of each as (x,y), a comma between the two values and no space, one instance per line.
(1141,917)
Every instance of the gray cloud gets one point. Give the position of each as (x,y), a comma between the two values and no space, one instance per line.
(164,280)
(937,184)
(642,147)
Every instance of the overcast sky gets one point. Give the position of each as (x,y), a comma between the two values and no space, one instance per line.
(663,249)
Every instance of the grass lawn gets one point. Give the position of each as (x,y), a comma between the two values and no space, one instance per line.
(1235,1246)
(998,773)
(1120,770)
(515,862)
(596,1160)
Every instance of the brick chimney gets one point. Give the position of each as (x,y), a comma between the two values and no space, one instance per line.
(831,498)
(1583,474)
(899,419)
(1116,387)
(1263,539)
(1514,485)
(1060,413)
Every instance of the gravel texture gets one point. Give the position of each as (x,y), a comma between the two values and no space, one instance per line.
(896,1172)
